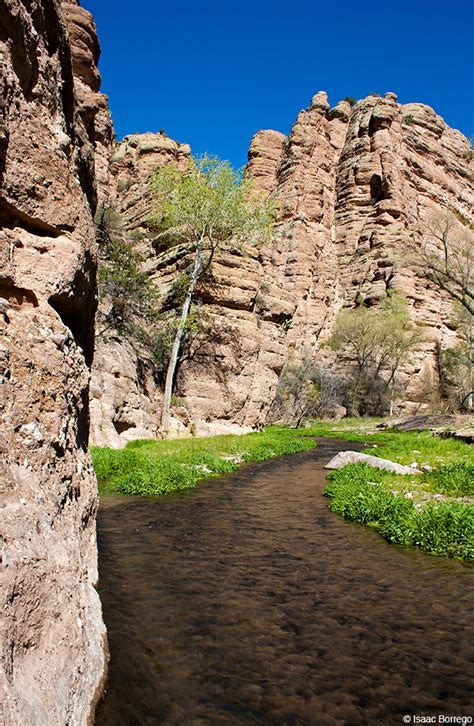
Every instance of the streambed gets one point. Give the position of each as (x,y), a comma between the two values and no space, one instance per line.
(246,600)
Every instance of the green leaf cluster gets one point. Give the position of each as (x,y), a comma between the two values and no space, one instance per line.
(209,203)
(132,297)
(372,343)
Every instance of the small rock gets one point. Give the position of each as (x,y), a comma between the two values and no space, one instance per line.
(59,339)
(4,305)
(32,430)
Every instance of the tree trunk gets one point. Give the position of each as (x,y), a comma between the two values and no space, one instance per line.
(195,275)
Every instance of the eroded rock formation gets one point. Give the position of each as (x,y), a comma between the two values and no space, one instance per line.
(354,184)
(53,637)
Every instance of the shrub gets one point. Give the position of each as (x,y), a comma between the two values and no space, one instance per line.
(372,343)
(307,389)
(350,100)
(408,120)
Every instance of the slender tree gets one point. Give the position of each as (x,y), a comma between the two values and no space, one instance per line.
(373,343)
(445,257)
(201,209)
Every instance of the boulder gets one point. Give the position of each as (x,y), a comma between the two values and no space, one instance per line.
(356,457)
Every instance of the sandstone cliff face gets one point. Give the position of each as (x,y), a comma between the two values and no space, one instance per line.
(53,636)
(233,363)
(354,184)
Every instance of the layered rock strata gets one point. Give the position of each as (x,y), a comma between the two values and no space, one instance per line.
(355,184)
(53,636)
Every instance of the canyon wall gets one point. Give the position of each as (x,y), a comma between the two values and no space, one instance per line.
(355,184)
(53,636)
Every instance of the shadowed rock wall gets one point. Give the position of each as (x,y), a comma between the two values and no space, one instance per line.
(53,637)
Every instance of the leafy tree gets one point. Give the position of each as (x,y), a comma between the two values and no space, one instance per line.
(202,209)
(372,343)
(128,299)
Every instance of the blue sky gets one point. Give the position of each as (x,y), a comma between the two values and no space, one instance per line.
(212,73)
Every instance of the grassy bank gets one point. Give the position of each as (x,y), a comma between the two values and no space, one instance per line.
(433,510)
(158,467)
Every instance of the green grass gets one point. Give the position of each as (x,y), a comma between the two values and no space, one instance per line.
(432,510)
(360,493)
(157,467)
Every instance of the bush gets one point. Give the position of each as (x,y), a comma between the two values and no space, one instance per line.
(307,389)
(408,120)
(372,343)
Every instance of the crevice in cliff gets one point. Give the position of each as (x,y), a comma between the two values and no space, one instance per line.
(18,296)
(11,217)
(377,192)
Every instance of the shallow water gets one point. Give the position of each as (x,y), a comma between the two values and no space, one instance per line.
(246,601)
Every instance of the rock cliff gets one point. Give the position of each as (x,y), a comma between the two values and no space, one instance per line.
(53,637)
(354,184)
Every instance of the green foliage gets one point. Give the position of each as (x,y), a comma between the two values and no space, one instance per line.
(209,202)
(349,99)
(178,401)
(363,494)
(408,120)
(127,292)
(127,298)
(446,529)
(375,341)
(370,503)
(157,467)
(455,479)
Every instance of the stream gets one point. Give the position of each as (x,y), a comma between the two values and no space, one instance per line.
(245,600)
